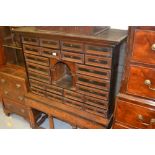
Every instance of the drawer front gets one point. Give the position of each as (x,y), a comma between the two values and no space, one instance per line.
(94,71)
(4,82)
(15,108)
(31,49)
(54,89)
(39,77)
(37,84)
(134,115)
(54,97)
(50,43)
(50,53)
(93,92)
(73,57)
(73,103)
(93,82)
(72,46)
(144,46)
(141,82)
(117,125)
(73,95)
(38,68)
(96,102)
(30,40)
(98,61)
(38,91)
(36,59)
(99,50)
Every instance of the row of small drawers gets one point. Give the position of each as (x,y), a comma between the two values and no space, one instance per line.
(12,88)
(69,46)
(94,60)
(71,98)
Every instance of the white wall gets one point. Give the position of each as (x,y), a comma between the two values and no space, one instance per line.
(119,27)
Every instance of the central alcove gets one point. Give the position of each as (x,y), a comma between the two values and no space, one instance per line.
(62,75)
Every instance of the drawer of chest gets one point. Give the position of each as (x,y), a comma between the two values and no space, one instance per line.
(98,50)
(29,49)
(4,82)
(93,71)
(39,77)
(141,81)
(98,61)
(93,92)
(50,53)
(54,89)
(38,68)
(72,46)
(30,40)
(36,59)
(16,108)
(73,103)
(49,43)
(93,82)
(144,46)
(38,91)
(73,95)
(134,114)
(73,57)
(54,97)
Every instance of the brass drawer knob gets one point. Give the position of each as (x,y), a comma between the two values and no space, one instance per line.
(149,83)
(153,47)
(6,92)
(140,117)
(152,121)
(18,85)
(3,81)
(21,98)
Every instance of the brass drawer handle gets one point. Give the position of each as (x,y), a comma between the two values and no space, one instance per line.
(152,121)
(18,85)
(148,83)
(6,92)
(21,98)
(153,47)
(3,81)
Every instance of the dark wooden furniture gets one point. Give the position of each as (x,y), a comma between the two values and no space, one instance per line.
(72,73)
(135,105)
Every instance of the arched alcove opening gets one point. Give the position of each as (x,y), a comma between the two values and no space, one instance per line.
(62,75)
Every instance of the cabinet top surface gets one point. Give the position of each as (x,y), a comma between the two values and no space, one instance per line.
(86,32)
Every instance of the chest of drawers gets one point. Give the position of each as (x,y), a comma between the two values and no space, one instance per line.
(72,76)
(135,107)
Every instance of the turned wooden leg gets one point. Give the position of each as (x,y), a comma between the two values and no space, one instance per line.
(7,112)
(32,119)
(51,122)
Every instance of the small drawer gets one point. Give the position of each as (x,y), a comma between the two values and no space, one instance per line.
(50,53)
(54,97)
(30,40)
(144,46)
(93,82)
(134,114)
(73,57)
(98,61)
(50,43)
(94,71)
(73,95)
(37,91)
(37,84)
(31,49)
(4,82)
(13,107)
(38,68)
(54,89)
(141,82)
(36,59)
(96,102)
(93,92)
(73,103)
(98,50)
(95,110)
(39,77)
(72,46)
